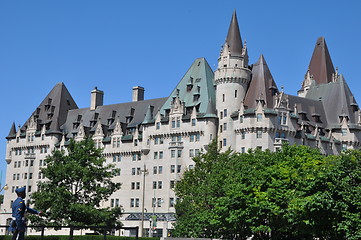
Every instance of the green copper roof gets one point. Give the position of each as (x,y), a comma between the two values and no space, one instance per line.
(196,87)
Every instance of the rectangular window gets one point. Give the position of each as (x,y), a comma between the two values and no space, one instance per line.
(344,131)
(160,169)
(225,112)
(137,202)
(30,175)
(191,138)
(154,184)
(179,167)
(179,138)
(156,140)
(117,202)
(155,170)
(159,202)
(161,140)
(160,184)
(114,158)
(154,202)
(243,135)
(243,149)
(198,137)
(178,122)
(155,155)
(179,153)
(134,157)
(259,134)
(284,118)
(193,122)
(137,186)
(235,93)
(111,202)
(160,155)
(224,142)
(173,123)
(133,171)
(172,184)
(224,126)
(138,171)
(157,125)
(259,117)
(197,152)
(191,153)
(132,202)
(171,202)
(172,168)
(172,153)
(221,115)
(132,185)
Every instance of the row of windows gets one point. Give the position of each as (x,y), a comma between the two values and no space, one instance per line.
(176,123)
(16,187)
(158,155)
(159,169)
(31,138)
(156,185)
(27,163)
(30,150)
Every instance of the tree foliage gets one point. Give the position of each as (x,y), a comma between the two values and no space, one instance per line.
(294,193)
(76,184)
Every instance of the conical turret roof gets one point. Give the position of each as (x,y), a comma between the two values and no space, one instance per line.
(262,86)
(321,67)
(234,40)
(12,132)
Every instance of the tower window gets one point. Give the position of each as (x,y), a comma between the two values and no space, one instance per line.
(223,97)
(235,93)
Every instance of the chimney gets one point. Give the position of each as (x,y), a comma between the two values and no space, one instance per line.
(138,94)
(96,98)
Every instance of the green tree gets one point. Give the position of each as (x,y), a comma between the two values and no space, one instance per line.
(294,193)
(76,184)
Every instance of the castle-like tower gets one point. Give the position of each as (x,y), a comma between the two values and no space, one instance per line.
(238,105)
(232,78)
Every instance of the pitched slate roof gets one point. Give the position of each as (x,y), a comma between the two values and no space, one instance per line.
(234,39)
(130,114)
(312,109)
(198,80)
(53,110)
(337,100)
(321,66)
(262,85)
(12,132)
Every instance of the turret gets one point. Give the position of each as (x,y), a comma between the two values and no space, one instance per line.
(232,78)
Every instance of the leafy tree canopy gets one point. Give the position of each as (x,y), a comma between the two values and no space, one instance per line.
(294,193)
(76,184)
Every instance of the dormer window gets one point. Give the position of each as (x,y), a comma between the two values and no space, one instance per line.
(343,131)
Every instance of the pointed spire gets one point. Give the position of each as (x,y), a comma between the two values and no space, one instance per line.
(233,39)
(321,67)
(262,84)
(12,132)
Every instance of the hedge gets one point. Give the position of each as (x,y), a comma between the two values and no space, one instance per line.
(90,237)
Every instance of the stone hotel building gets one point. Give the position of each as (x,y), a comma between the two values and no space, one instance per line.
(238,104)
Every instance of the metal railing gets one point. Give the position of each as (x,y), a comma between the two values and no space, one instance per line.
(72,228)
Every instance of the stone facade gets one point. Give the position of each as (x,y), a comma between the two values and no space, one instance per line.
(153,141)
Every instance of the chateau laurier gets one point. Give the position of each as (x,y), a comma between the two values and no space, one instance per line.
(238,104)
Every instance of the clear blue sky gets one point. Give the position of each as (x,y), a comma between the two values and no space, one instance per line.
(116,44)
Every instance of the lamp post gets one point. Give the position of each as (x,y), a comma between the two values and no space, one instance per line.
(144,171)
(153,219)
(5,187)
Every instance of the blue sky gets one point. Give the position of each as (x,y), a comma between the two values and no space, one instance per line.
(115,45)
